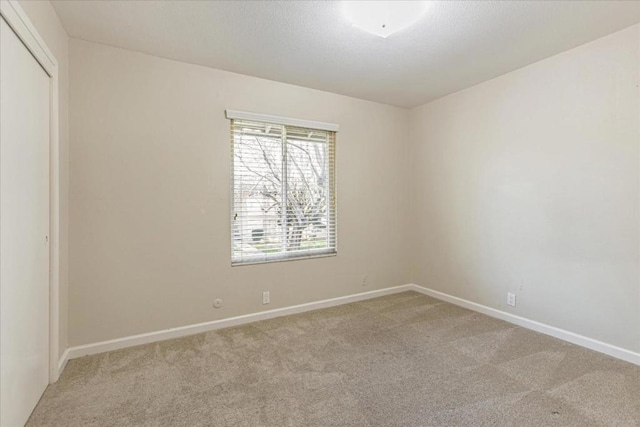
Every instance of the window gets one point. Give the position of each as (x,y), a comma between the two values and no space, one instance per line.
(284,203)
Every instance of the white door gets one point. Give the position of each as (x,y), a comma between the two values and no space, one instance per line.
(24,230)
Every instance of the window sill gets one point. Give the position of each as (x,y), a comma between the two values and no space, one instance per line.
(284,259)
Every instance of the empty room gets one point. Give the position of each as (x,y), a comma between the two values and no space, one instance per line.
(319,213)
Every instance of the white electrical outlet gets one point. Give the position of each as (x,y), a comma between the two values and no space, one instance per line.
(365,280)
(265,297)
(511,299)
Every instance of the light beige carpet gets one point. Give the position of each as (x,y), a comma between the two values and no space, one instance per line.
(400,360)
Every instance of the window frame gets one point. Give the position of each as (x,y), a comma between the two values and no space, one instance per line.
(331,186)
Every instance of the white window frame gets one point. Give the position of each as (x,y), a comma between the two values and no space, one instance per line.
(285,121)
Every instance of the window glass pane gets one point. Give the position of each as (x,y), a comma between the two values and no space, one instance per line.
(257,191)
(307,187)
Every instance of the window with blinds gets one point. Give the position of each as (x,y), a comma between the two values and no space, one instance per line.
(284,202)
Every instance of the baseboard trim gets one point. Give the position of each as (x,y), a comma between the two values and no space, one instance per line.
(581,340)
(151,337)
(62,363)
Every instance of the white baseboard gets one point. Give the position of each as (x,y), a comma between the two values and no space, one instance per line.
(62,363)
(134,340)
(581,340)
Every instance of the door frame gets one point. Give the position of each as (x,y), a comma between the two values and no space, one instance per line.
(19,22)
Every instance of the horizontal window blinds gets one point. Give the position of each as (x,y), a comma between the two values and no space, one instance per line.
(284,203)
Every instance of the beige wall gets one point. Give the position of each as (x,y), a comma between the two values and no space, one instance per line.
(150,195)
(46,21)
(530,183)
(526,183)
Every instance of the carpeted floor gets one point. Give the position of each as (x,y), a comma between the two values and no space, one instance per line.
(400,360)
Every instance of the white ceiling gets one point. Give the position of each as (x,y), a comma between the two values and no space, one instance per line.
(310,43)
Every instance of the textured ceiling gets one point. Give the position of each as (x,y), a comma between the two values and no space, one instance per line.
(309,43)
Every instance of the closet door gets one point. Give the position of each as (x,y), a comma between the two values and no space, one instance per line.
(24,229)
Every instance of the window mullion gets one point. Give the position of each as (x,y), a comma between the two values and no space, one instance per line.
(328,190)
(284,197)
